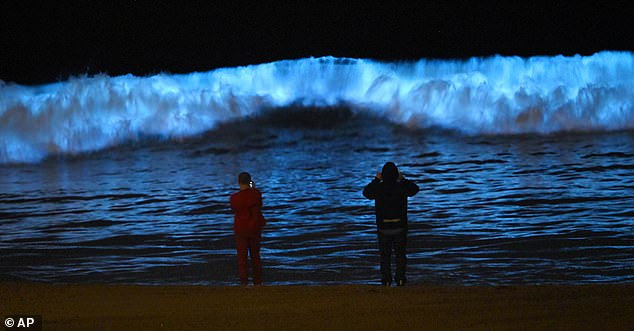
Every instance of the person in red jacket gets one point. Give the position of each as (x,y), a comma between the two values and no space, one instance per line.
(247,226)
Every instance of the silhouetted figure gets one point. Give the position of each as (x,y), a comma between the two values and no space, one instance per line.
(248,222)
(390,191)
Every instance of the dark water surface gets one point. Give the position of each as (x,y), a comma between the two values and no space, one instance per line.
(523,209)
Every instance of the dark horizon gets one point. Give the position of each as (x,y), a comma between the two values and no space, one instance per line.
(52,41)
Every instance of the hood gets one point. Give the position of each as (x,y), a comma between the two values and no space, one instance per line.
(389,172)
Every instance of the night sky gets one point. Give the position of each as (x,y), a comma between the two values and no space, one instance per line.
(49,42)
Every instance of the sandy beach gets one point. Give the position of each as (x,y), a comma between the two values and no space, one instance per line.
(345,307)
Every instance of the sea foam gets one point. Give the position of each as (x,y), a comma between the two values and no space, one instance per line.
(494,95)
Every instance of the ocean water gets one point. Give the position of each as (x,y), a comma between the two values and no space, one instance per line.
(525,168)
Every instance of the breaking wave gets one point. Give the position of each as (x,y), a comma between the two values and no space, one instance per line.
(495,95)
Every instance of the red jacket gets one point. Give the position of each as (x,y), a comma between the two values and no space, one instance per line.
(246,206)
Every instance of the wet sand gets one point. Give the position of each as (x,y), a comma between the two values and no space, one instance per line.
(345,307)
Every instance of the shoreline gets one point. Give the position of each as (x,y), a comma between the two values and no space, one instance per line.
(350,307)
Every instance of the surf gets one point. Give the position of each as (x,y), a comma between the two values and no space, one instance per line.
(497,95)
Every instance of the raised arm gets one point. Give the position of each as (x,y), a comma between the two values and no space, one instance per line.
(370,190)
(410,187)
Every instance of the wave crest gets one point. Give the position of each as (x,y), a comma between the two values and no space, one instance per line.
(496,95)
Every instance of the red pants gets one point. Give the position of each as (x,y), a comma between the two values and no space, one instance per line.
(250,246)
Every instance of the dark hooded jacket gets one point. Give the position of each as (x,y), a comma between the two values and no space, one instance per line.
(390,195)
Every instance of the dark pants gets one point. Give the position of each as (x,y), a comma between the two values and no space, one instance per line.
(393,240)
(249,246)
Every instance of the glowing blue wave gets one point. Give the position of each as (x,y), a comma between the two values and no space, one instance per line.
(496,95)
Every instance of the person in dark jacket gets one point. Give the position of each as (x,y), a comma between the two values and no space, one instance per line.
(390,191)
